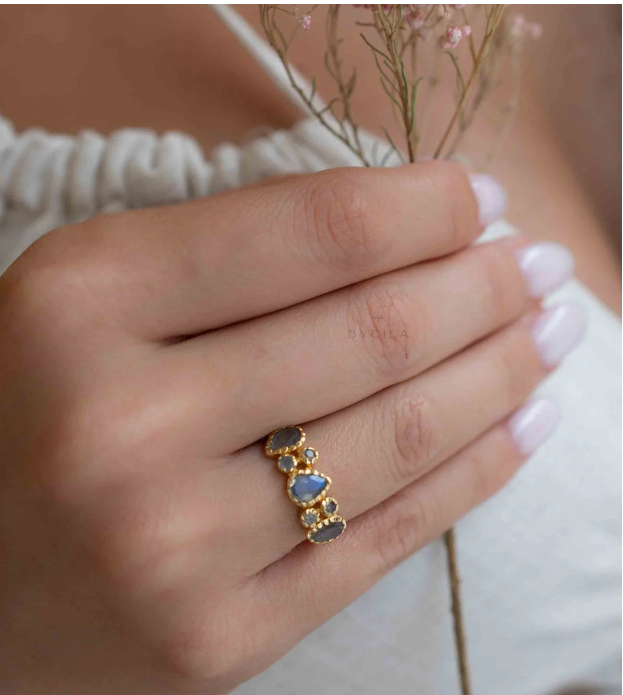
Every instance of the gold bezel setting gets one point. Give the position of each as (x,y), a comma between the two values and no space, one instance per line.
(305,459)
(288,471)
(318,498)
(284,449)
(320,512)
(312,512)
(326,502)
(325,523)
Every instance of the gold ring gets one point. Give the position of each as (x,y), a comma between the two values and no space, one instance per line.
(306,487)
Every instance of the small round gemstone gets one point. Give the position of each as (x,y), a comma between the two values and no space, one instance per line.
(309,455)
(309,518)
(286,463)
(329,506)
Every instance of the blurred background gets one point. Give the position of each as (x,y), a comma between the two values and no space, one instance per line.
(66,68)
(577,66)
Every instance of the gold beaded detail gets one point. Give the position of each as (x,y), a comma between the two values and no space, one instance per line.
(306,487)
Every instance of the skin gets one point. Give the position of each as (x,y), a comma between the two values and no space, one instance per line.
(114,58)
(140,368)
(130,456)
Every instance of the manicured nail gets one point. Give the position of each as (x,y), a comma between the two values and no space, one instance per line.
(491,198)
(557,331)
(545,266)
(532,424)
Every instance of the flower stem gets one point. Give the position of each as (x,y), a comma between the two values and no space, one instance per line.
(492,22)
(457,613)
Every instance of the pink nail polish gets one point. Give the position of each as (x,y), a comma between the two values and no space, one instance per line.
(491,198)
(533,423)
(557,331)
(545,266)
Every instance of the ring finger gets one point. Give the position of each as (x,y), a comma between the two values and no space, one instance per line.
(371,451)
(375,448)
(378,540)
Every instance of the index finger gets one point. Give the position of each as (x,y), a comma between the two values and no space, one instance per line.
(186,269)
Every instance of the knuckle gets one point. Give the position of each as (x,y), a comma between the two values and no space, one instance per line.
(126,537)
(90,443)
(55,456)
(418,437)
(203,652)
(343,221)
(45,288)
(393,341)
(73,449)
(400,531)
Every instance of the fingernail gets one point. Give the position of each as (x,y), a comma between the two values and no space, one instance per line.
(545,266)
(532,424)
(491,198)
(557,331)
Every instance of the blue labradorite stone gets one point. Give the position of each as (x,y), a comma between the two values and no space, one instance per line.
(285,438)
(305,488)
(329,532)
(330,507)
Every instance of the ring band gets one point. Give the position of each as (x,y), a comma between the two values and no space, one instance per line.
(306,487)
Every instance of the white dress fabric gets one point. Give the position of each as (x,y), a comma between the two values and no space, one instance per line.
(540,562)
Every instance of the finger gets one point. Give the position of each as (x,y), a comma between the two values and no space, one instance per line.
(186,269)
(377,447)
(340,348)
(371,451)
(328,578)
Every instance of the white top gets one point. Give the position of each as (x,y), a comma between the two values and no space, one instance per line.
(540,562)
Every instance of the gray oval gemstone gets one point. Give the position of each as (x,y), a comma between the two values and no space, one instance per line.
(327,533)
(285,438)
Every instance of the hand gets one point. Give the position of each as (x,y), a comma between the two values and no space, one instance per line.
(147,543)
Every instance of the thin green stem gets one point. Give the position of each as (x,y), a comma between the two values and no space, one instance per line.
(492,22)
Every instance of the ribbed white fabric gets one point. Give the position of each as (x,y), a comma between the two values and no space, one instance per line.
(540,562)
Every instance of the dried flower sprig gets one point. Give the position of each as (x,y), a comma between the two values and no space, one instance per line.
(342,126)
(398,37)
(409,66)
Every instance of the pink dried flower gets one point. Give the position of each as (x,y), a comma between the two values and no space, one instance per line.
(305,21)
(520,29)
(451,38)
(466,30)
(415,19)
